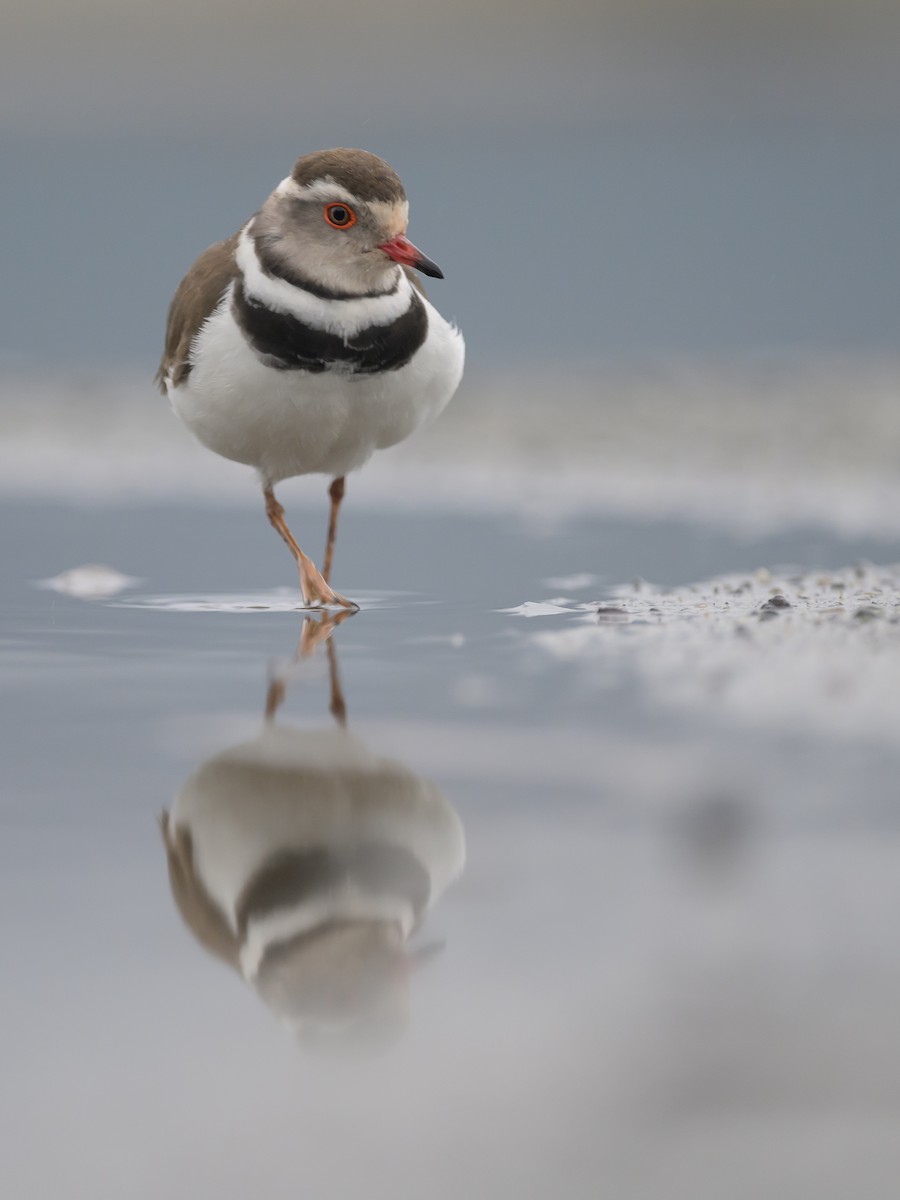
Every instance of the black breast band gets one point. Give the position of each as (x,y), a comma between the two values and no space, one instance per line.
(286,343)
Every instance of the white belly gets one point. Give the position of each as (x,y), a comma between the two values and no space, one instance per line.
(288,423)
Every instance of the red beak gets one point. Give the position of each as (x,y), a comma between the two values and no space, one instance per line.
(401,250)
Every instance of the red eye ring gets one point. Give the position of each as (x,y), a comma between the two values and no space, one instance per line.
(340,216)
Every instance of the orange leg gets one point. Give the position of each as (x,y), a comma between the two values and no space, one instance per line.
(336,492)
(315,590)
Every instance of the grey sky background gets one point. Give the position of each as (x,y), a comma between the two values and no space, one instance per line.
(624,178)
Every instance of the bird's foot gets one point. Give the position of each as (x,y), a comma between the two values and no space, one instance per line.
(316,592)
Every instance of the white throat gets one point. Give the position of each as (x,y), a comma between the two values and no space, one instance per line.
(345,317)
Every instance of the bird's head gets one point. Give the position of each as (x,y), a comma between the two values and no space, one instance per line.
(338,223)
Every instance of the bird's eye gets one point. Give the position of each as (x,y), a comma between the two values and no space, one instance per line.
(340,216)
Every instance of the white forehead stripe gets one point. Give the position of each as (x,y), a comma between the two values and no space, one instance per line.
(288,187)
(343,317)
(319,189)
(393,213)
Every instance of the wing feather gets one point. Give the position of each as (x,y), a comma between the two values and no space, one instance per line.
(195,300)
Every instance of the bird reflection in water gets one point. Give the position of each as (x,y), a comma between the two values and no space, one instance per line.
(306,862)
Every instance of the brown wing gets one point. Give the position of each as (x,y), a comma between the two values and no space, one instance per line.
(196,298)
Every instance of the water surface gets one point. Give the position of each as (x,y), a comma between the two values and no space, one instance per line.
(651,943)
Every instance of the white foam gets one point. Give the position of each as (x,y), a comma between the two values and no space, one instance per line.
(817,652)
(90,582)
(277,600)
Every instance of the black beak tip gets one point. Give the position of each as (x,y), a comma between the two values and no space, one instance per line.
(427,267)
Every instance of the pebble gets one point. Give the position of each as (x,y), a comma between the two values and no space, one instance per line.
(773,607)
(609,613)
(867,613)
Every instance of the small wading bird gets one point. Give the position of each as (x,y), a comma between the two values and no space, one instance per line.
(304,342)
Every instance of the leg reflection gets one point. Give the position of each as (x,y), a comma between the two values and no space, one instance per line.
(316,630)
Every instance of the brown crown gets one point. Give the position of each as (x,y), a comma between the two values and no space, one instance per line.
(364,175)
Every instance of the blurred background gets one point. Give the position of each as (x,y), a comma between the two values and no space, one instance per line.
(669,234)
(623,188)
(619,177)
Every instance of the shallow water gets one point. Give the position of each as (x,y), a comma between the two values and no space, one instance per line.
(656,950)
